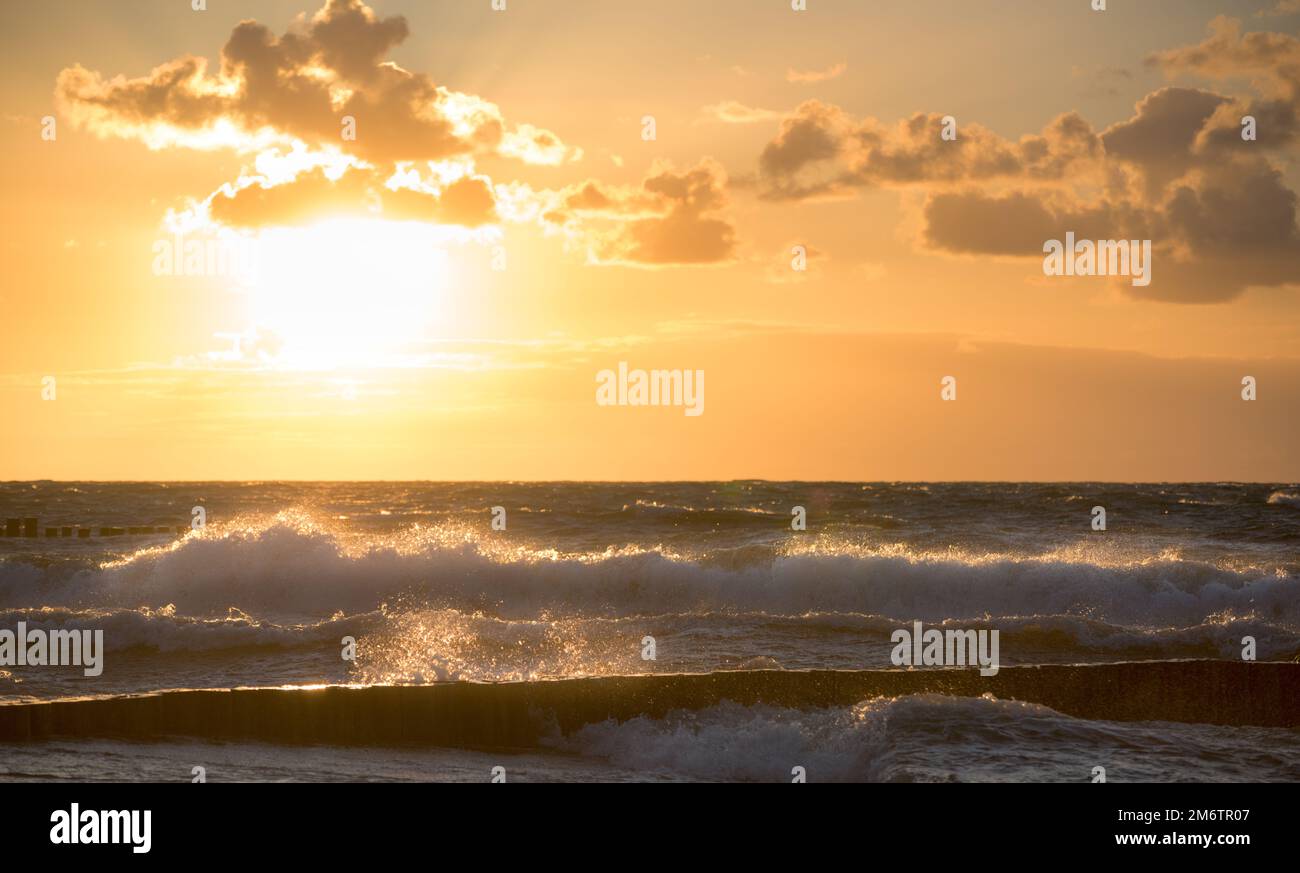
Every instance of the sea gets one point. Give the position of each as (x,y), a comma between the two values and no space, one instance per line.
(652,631)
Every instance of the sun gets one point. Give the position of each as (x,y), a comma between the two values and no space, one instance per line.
(348,292)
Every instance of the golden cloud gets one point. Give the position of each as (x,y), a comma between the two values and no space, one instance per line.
(300,87)
(671,219)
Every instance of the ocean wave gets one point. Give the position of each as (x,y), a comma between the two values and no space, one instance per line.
(697,515)
(284,571)
(404,643)
(1035,638)
(164,631)
(866,742)
(730,742)
(925,738)
(594,713)
(915,738)
(1217,637)
(1285,498)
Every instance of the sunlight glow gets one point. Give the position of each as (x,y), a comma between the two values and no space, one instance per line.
(348,292)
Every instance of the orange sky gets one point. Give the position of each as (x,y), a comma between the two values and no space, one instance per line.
(434,296)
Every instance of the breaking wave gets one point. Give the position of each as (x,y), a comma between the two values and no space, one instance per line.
(282,572)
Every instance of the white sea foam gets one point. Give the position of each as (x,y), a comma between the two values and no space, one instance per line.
(284,573)
(923,738)
(1285,498)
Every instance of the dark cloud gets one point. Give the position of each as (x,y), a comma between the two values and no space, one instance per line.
(1221,218)
(821,150)
(1234,228)
(1161,138)
(1271,61)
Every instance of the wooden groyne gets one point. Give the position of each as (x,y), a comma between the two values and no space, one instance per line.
(30,527)
(519,714)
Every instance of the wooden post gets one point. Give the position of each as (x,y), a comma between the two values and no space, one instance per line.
(30,525)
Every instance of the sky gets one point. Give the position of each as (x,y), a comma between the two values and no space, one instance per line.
(425,229)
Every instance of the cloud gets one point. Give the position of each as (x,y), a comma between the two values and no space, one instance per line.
(1226,52)
(822,150)
(283,99)
(1017,223)
(1271,61)
(734,112)
(299,87)
(816,133)
(1220,215)
(313,195)
(808,77)
(670,219)
(1215,234)
(1283,7)
(1160,140)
